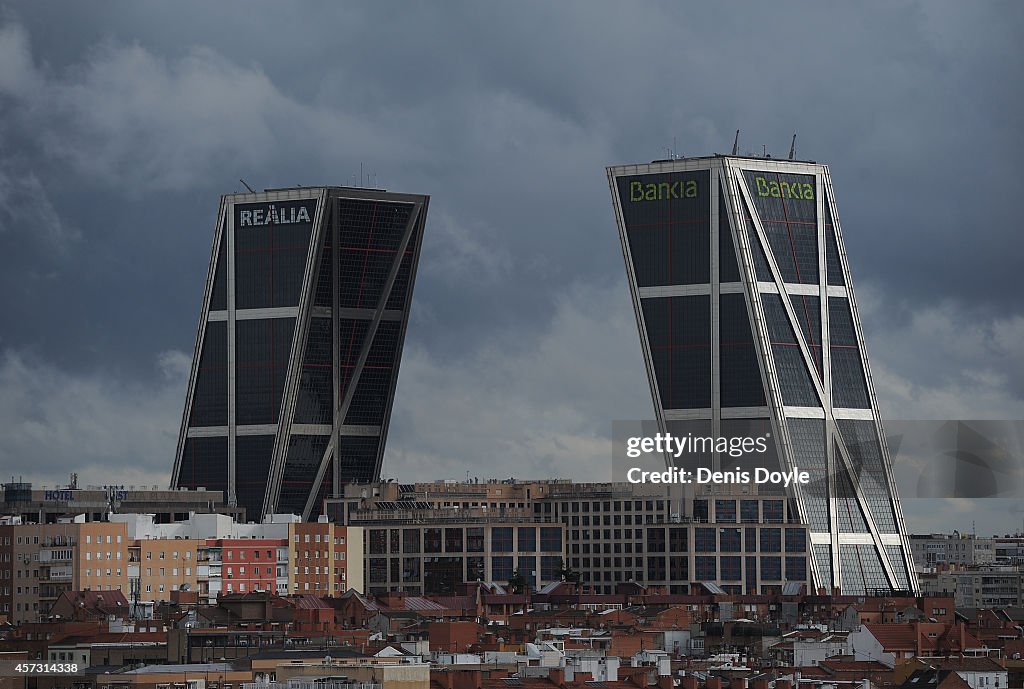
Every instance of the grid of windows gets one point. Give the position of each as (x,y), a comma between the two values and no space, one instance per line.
(369,403)
(219,293)
(796,568)
(771,540)
(862,569)
(668,232)
(796,541)
(808,315)
(740,374)
(833,264)
(729,541)
(848,385)
(749,511)
(725,511)
(706,568)
(728,266)
(315,401)
(808,441)
(704,540)
(253,454)
(787,208)
(262,350)
(762,270)
(210,398)
(771,568)
(822,554)
(861,440)
(895,555)
(501,539)
(358,457)
(205,463)
(794,379)
(270,259)
(302,462)
(370,233)
(501,567)
(730,568)
(848,512)
(678,330)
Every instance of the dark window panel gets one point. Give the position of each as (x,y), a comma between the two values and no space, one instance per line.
(728,266)
(370,234)
(219,293)
(895,555)
(262,350)
(808,442)
(848,513)
(833,264)
(399,296)
(303,460)
(862,442)
(740,375)
(822,555)
(315,402)
(359,458)
(253,455)
(678,330)
(849,386)
(761,268)
(324,277)
(210,398)
(668,227)
(808,315)
(204,462)
(794,378)
(787,207)
(270,259)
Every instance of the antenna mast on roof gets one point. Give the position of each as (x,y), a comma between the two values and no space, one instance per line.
(736,142)
(792,147)
(251,190)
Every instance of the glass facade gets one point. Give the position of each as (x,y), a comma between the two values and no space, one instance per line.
(321,290)
(779,295)
(787,208)
(668,220)
(210,396)
(678,331)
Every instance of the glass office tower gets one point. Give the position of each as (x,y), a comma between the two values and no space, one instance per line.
(747,316)
(300,339)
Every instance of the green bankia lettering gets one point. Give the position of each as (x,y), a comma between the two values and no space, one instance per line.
(784,190)
(663,191)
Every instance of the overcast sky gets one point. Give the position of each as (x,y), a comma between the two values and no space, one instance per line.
(121,123)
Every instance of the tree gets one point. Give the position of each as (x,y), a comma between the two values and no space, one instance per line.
(567,573)
(516,584)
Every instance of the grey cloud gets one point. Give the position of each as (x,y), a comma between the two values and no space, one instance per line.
(98,425)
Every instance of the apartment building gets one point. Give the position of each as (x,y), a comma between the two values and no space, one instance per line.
(943,551)
(320,557)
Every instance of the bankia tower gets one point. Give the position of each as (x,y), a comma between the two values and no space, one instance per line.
(300,339)
(747,319)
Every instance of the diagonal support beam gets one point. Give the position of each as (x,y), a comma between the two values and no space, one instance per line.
(341,411)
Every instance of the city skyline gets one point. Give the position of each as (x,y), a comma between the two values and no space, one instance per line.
(119,138)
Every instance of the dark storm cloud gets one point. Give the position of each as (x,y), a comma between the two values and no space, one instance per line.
(121,123)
